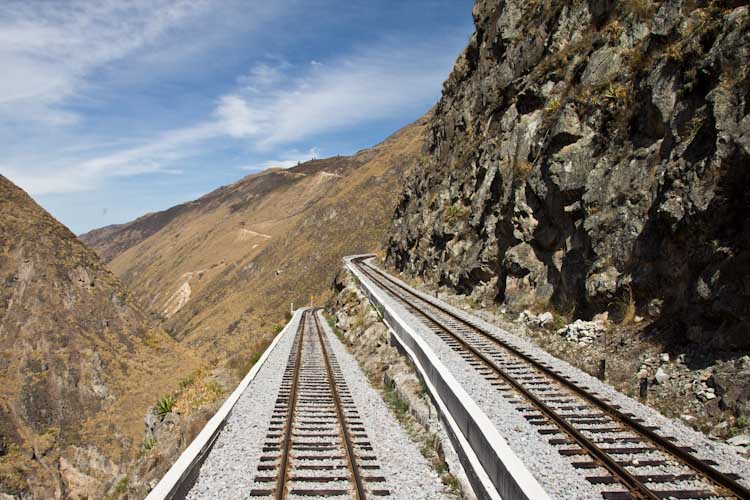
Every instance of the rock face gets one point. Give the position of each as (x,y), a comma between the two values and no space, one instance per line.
(587,152)
(80,361)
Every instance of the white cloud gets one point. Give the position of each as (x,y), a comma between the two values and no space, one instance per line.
(236,116)
(290,159)
(275,105)
(150,157)
(48,49)
(372,84)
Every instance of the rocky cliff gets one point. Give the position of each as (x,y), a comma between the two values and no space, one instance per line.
(591,156)
(80,362)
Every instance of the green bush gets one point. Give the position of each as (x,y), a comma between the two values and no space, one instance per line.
(457,211)
(164,405)
(149,443)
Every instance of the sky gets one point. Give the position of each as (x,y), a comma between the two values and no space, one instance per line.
(112,109)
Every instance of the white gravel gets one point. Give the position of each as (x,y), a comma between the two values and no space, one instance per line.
(230,467)
(552,470)
(409,475)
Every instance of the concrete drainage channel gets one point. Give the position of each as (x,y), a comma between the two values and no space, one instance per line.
(611,446)
(493,469)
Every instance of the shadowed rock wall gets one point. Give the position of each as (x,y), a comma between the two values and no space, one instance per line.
(584,151)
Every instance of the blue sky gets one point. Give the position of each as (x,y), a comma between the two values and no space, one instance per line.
(112,109)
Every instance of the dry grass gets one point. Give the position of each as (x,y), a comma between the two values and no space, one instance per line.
(198,390)
(642,9)
(457,211)
(522,169)
(14,467)
(624,306)
(553,105)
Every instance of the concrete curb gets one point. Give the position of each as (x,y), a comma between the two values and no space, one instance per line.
(492,466)
(180,477)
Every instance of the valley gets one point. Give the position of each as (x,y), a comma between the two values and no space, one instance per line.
(578,192)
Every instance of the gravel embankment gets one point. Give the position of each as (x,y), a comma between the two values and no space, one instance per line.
(230,467)
(229,470)
(552,470)
(409,475)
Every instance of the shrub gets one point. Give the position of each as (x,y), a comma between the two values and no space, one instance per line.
(553,105)
(122,486)
(617,94)
(149,443)
(456,211)
(187,381)
(164,405)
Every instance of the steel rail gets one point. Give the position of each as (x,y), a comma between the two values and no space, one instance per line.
(712,474)
(607,462)
(350,455)
(287,447)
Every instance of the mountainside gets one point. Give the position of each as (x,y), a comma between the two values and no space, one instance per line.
(80,361)
(222,269)
(593,156)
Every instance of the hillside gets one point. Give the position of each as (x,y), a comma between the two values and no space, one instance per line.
(80,361)
(592,157)
(221,271)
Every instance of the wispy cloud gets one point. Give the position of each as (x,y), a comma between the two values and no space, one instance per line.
(276,103)
(289,160)
(97,90)
(48,50)
(283,104)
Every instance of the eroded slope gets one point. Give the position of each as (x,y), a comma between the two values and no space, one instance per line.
(222,269)
(80,361)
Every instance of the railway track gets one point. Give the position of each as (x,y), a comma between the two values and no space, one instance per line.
(316,444)
(612,449)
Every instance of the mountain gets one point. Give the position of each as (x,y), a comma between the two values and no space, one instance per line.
(220,271)
(593,156)
(80,361)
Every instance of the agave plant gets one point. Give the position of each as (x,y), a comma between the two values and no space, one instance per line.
(149,443)
(164,405)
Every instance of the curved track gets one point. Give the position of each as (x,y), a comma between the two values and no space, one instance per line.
(611,447)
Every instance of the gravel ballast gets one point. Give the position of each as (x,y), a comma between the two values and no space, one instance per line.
(551,469)
(408,474)
(229,469)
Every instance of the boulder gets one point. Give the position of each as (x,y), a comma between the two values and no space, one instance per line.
(583,332)
(542,320)
(545,319)
(733,387)
(661,376)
